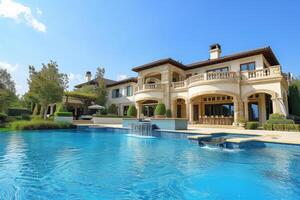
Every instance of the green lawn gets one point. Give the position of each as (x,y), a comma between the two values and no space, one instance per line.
(5,129)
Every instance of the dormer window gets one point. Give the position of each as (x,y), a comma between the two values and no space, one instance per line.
(248,66)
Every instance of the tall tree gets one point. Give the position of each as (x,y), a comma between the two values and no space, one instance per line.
(47,85)
(7,91)
(6,82)
(100,90)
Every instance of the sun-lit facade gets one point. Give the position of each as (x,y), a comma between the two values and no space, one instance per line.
(220,90)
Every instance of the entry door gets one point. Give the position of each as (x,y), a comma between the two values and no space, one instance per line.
(196,112)
(179,111)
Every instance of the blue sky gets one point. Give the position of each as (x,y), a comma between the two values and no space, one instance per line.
(118,35)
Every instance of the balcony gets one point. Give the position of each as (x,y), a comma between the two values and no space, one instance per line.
(147,87)
(260,74)
(271,72)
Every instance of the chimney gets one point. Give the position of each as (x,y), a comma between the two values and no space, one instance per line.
(88,76)
(215,51)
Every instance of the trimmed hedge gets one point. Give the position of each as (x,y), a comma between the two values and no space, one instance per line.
(168,113)
(160,109)
(282,127)
(131,112)
(39,125)
(252,125)
(18,111)
(64,114)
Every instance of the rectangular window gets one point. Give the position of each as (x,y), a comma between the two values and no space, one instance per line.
(248,66)
(129,90)
(223,69)
(219,109)
(116,93)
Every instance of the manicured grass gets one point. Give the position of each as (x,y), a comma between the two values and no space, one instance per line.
(5,129)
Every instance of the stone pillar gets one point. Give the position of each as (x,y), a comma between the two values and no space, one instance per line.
(246,110)
(262,108)
(238,110)
(166,83)
(191,112)
(138,109)
(187,110)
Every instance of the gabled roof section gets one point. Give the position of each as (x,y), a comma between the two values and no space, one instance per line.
(127,80)
(94,81)
(266,51)
(159,62)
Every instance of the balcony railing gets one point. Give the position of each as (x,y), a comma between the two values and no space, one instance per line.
(270,72)
(262,73)
(212,76)
(152,86)
(179,84)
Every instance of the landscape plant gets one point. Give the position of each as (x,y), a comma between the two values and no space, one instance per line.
(168,113)
(160,110)
(132,112)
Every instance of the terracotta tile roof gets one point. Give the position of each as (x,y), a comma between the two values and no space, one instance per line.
(127,80)
(94,81)
(266,51)
(157,63)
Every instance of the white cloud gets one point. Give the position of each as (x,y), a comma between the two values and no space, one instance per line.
(122,77)
(39,11)
(19,75)
(9,67)
(20,13)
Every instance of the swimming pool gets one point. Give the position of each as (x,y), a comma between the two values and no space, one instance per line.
(107,164)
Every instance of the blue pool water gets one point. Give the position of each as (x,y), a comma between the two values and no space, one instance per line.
(107,164)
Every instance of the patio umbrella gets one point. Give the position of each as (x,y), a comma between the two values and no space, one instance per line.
(95,107)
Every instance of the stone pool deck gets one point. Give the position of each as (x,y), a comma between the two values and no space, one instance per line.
(258,135)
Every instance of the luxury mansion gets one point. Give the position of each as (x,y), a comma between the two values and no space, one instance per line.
(220,90)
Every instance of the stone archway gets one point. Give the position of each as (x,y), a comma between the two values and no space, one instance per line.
(218,108)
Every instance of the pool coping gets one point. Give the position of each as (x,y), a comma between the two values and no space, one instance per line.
(275,137)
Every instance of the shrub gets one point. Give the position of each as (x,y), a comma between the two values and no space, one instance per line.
(252,125)
(39,125)
(3,117)
(64,114)
(61,108)
(169,113)
(103,111)
(112,109)
(18,111)
(279,119)
(160,109)
(286,127)
(131,112)
(26,117)
(36,118)
(268,127)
